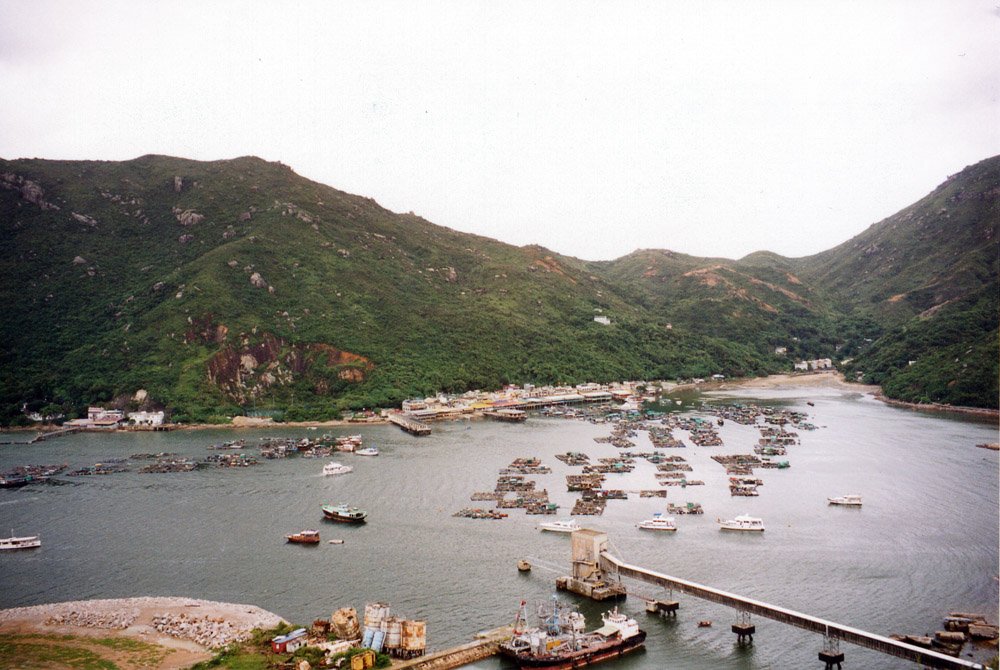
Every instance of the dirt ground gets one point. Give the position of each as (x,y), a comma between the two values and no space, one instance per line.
(33,637)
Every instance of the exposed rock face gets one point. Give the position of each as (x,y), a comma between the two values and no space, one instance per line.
(178,184)
(29,190)
(83,218)
(79,260)
(184,239)
(243,371)
(245,216)
(188,217)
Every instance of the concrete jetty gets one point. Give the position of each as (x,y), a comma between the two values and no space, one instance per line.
(409,424)
(487,644)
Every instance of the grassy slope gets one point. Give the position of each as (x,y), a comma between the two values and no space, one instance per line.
(431,308)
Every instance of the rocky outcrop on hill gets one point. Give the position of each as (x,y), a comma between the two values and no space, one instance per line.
(29,190)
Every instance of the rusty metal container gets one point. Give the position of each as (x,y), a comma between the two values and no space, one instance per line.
(393,633)
(375,613)
(414,637)
(344,623)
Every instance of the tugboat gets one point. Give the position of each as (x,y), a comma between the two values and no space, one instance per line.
(559,642)
(344,513)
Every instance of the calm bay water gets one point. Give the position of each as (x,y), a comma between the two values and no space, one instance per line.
(925,542)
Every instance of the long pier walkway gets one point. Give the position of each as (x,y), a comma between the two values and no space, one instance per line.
(828,629)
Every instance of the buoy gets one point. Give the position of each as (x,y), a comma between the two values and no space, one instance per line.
(524,566)
(704,623)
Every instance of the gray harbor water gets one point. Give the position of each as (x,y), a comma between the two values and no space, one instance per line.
(924,543)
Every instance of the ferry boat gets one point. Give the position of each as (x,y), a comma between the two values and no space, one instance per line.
(850,500)
(304,537)
(344,513)
(334,468)
(27,542)
(367,451)
(561,643)
(743,522)
(560,526)
(658,522)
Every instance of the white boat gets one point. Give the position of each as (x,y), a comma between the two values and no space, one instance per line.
(367,451)
(334,468)
(850,500)
(658,522)
(27,542)
(560,526)
(743,522)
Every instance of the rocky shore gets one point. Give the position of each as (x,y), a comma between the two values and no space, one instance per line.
(207,624)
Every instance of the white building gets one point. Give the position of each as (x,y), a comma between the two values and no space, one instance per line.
(146,418)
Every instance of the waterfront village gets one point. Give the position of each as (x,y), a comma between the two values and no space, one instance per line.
(509,403)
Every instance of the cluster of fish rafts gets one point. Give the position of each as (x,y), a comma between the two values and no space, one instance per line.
(229,454)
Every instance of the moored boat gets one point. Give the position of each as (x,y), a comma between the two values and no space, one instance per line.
(344,513)
(367,451)
(560,526)
(743,522)
(334,468)
(304,537)
(849,500)
(658,522)
(26,542)
(561,643)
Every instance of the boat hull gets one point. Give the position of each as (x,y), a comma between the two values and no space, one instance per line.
(613,649)
(332,516)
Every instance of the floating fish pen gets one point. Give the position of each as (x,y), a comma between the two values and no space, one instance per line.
(738,464)
(589,507)
(154,457)
(231,460)
(481,496)
(768,463)
(479,513)
(584,482)
(543,508)
(523,499)
(652,493)
(687,508)
(526,466)
(574,458)
(604,494)
(673,467)
(514,483)
(166,465)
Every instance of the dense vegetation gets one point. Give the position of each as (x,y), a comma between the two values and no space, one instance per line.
(233,286)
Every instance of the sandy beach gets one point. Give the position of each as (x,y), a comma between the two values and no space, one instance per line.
(187,629)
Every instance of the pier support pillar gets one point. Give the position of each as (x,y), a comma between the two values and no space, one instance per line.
(743,628)
(831,654)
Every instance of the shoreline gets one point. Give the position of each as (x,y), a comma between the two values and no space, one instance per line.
(826,378)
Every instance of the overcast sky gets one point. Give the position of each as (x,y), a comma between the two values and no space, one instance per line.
(592,128)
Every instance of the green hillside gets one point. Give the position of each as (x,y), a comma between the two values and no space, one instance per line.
(228,286)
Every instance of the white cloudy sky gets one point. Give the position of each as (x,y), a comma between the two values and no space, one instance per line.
(593,128)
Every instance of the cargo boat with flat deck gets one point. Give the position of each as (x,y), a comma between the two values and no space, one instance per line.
(559,642)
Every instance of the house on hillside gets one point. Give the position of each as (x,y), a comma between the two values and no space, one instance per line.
(146,418)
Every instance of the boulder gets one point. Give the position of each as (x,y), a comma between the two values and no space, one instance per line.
(257,280)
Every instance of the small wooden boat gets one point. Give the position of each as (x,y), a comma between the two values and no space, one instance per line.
(304,537)
(523,566)
(704,623)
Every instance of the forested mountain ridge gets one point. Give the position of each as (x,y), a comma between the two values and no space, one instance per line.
(225,285)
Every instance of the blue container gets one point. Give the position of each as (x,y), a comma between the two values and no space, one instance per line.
(377,640)
(366,640)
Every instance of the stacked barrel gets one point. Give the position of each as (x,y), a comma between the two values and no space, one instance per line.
(401,638)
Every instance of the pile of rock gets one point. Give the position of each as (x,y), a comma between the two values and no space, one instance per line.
(213,633)
(88,618)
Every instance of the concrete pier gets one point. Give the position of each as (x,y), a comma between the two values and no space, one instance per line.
(409,424)
(486,645)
